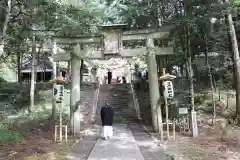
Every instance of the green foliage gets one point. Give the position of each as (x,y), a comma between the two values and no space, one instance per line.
(7,135)
(200,98)
(236,5)
(226,81)
(15,94)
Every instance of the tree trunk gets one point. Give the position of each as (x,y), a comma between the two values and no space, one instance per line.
(211,82)
(59,73)
(5,25)
(38,62)
(188,14)
(68,67)
(19,67)
(54,75)
(45,67)
(32,89)
(206,53)
(235,56)
(191,81)
(81,71)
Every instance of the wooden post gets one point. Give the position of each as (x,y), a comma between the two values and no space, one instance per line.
(166,109)
(55,135)
(60,132)
(66,131)
(174,126)
(164,72)
(184,125)
(166,106)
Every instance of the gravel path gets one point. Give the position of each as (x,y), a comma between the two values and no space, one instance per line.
(121,146)
(148,148)
(84,147)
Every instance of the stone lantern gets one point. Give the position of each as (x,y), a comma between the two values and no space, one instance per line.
(112,40)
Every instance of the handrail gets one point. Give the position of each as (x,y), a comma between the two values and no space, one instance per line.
(135,103)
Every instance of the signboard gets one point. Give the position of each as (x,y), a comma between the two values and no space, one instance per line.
(58,92)
(112,39)
(182,111)
(111,42)
(168,89)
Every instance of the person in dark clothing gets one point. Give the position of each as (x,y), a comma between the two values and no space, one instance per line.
(124,79)
(118,80)
(107,121)
(109,77)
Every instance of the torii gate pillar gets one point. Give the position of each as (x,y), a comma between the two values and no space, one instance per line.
(75,93)
(153,81)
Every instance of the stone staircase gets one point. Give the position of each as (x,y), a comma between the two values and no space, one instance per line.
(143,98)
(119,96)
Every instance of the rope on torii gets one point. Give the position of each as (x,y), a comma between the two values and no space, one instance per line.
(114,65)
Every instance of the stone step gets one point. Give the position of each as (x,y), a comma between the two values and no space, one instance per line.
(130,117)
(116,98)
(115,104)
(123,105)
(124,113)
(126,108)
(119,97)
(121,115)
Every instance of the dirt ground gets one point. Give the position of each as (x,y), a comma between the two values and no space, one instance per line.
(38,142)
(212,144)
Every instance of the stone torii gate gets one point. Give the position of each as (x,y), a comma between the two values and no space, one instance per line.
(110,44)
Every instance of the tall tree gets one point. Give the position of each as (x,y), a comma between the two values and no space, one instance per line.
(5,24)
(33,74)
(235,55)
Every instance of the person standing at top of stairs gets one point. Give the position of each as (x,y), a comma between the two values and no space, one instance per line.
(109,77)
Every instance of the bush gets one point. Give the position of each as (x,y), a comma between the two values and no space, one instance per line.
(200,98)
(7,135)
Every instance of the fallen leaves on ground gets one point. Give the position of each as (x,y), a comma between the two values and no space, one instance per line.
(208,146)
(38,143)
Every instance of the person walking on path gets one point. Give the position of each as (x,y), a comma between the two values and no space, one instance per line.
(107,121)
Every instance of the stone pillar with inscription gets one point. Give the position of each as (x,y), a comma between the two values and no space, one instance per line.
(194,123)
(153,81)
